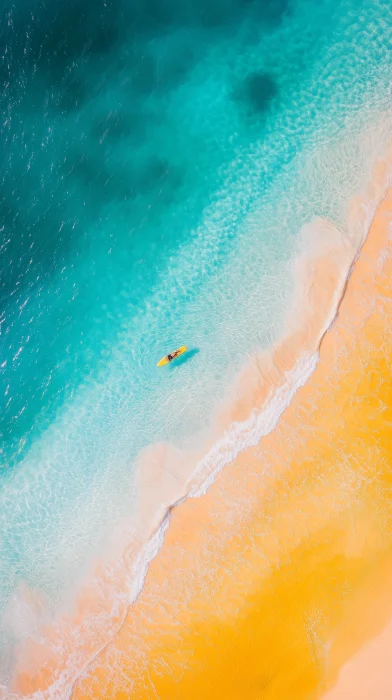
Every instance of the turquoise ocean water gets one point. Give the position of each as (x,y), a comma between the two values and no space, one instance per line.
(158,159)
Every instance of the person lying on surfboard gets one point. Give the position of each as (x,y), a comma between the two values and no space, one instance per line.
(172,355)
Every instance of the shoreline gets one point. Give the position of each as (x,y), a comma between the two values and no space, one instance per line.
(354,678)
(202,623)
(277,370)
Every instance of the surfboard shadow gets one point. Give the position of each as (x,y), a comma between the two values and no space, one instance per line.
(188,355)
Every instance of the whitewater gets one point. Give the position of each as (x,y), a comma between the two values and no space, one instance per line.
(243,154)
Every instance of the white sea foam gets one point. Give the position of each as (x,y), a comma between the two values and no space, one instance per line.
(95,432)
(259,424)
(240,436)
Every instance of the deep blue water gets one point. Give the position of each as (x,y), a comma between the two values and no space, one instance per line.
(101,181)
(158,159)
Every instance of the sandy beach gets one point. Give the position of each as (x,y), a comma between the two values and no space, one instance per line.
(270,582)
(368,673)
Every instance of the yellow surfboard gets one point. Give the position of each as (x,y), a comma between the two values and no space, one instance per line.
(171,356)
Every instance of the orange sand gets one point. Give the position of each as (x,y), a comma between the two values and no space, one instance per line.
(266,585)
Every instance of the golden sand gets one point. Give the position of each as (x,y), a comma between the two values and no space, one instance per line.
(271,581)
(274,608)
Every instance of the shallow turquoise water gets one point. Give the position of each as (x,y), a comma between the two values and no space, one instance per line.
(159,161)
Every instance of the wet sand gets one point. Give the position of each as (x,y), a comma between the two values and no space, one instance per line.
(368,674)
(267,584)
